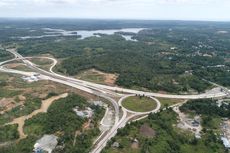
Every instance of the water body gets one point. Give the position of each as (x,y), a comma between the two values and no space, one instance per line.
(37,37)
(86,33)
(128,38)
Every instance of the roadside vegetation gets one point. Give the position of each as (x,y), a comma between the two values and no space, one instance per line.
(4,55)
(138,137)
(166,102)
(43,63)
(18,66)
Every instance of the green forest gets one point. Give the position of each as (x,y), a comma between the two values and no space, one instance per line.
(8,133)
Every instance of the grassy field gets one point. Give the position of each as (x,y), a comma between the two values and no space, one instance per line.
(168,102)
(5,91)
(4,76)
(139,104)
(18,65)
(41,61)
(8,93)
(23,68)
(91,76)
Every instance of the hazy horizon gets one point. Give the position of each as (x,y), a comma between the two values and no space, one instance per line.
(185,10)
(108,19)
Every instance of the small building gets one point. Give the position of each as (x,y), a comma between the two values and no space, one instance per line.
(87,113)
(198,135)
(115,145)
(225,119)
(46,143)
(37,74)
(31,78)
(195,123)
(225,142)
(98,103)
(173,48)
(135,140)
(189,72)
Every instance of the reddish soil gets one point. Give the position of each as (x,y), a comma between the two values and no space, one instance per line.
(147,131)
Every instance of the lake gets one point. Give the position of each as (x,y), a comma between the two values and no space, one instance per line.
(86,33)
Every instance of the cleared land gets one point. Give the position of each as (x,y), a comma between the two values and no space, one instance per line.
(44,107)
(139,104)
(19,98)
(18,66)
(96,76)
(42,62)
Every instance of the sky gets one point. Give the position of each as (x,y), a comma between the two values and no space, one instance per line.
(212,10)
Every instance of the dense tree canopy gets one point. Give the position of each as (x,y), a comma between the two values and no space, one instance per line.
(207,107)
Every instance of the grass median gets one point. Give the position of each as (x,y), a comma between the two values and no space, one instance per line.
(139,104)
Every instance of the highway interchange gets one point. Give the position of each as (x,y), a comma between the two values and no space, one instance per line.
(122,115)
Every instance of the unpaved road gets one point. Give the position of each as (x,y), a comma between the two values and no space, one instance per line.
(185,124)
(44,107)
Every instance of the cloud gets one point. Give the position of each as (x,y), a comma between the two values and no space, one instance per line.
(140,9)
(35,2)
(3,3)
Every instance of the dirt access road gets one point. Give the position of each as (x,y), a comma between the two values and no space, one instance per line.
(43,109)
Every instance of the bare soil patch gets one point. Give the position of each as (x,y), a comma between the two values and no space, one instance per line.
(134,145)
(44,107)
(13,65)
(7,104)
(21,98)
(4,102)
(147,131)
(22,91)
(97,76)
